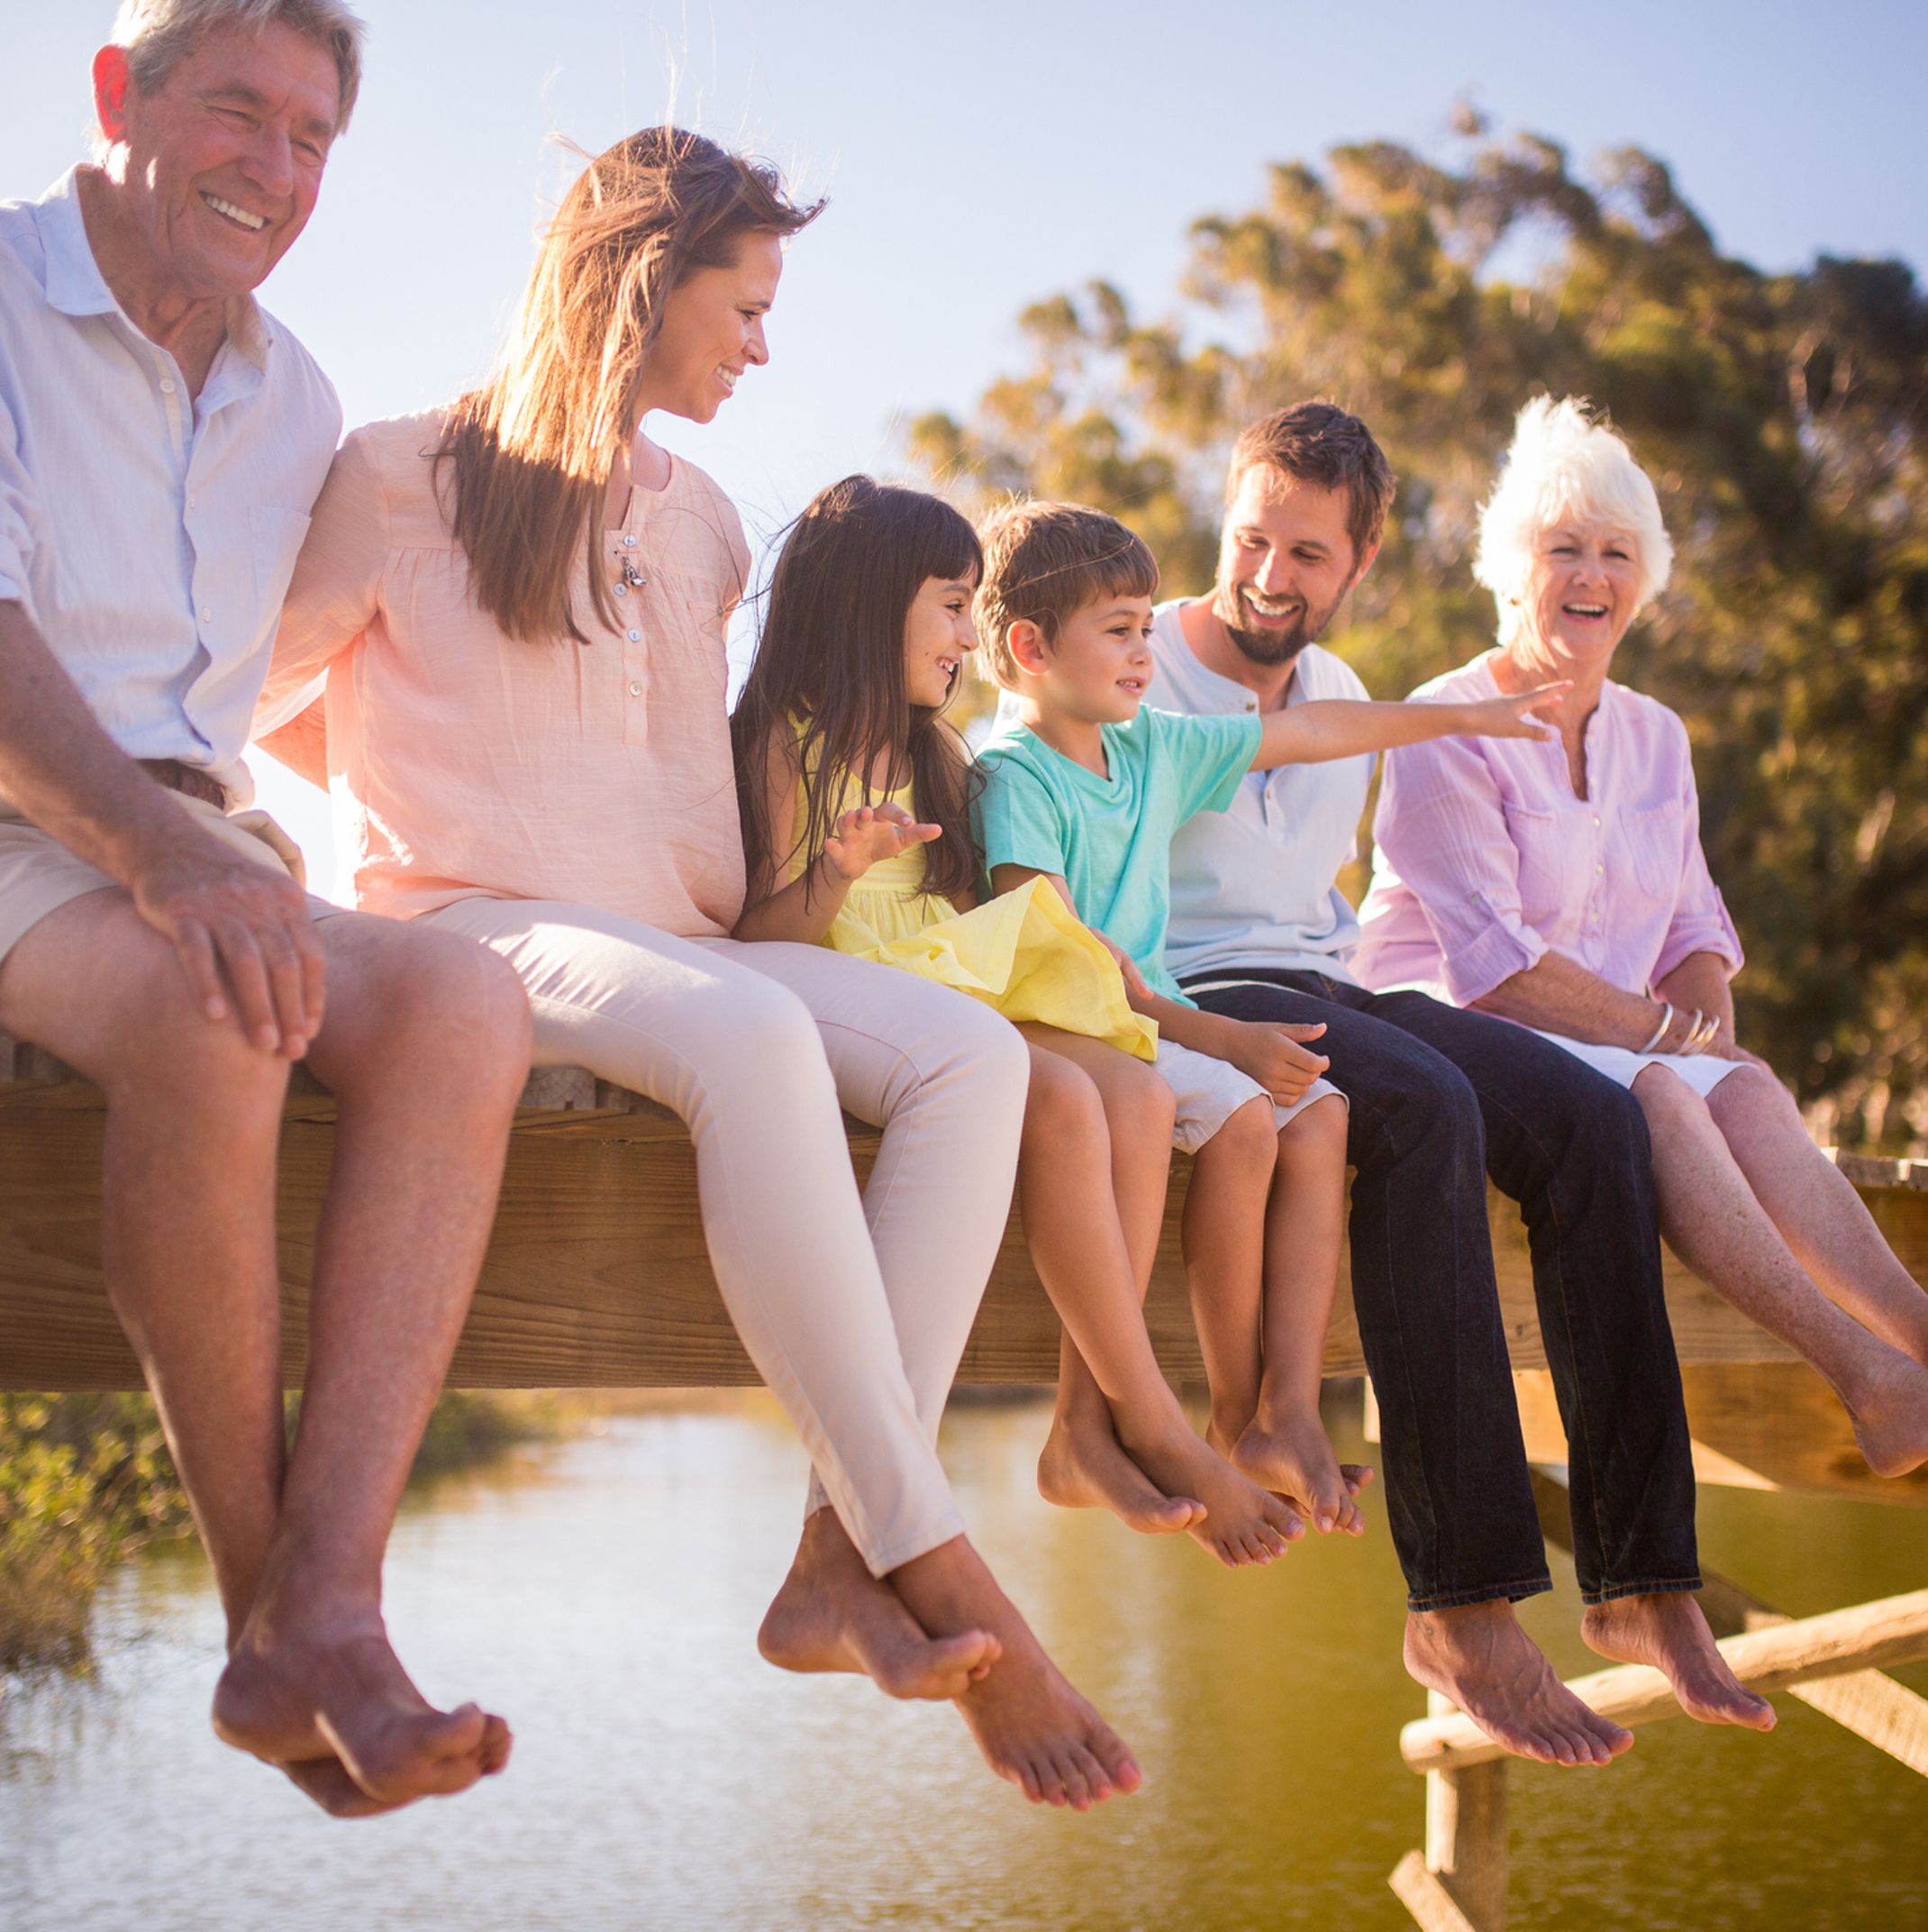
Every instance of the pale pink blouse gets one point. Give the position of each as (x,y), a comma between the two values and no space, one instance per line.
(1486,860)
(464,763)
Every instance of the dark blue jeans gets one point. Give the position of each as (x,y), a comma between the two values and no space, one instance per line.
(1441,1098)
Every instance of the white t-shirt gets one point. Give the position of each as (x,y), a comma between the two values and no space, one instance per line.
(1255,886)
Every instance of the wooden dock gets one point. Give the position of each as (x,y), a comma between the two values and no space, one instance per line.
(598,1276)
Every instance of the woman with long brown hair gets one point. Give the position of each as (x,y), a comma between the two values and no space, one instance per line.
(520,602)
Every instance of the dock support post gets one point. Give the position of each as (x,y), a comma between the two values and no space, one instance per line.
(1466,1835)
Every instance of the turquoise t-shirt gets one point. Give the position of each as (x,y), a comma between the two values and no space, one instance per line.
(1110,839)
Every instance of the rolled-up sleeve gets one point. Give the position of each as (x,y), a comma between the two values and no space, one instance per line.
(1700,923)
(1444,831)
(16,513)
(336,588)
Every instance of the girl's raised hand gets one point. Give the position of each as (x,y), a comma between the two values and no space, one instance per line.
(870,834)
(1514,716)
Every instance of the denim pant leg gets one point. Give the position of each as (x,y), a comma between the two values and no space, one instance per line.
(1458,1495)
(1571,1147)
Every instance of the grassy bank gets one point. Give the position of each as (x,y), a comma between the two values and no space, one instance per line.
(87,1479)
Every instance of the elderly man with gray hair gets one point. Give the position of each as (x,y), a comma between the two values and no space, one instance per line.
(161,441)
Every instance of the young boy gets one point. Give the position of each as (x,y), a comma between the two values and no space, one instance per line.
(1086,783)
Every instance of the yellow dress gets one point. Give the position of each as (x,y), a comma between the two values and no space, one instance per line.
(1024,953)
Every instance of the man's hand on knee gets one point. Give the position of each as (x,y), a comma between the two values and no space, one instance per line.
(243,937)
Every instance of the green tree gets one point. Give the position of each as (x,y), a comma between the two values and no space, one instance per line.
(1781,417)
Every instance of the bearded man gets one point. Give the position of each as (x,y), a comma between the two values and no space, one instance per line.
(161,441)
(1440,1099)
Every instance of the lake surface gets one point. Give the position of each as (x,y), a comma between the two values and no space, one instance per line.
(604,1591)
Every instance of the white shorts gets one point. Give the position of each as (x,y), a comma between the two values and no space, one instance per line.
(39,875)
(1701,1072)
(1209,1091)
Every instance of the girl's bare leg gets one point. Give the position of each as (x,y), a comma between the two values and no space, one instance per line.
(1284,1444)
(1714,1221)
(1075,1176)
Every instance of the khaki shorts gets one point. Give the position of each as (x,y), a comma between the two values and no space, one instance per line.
(1210,1091)
(39,875)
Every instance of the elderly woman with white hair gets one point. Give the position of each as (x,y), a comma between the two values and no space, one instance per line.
(1562,886)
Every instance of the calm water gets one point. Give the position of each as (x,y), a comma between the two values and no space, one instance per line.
(606,1592)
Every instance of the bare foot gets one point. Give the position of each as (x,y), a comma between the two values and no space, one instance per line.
(1891,1417)
(1666,1630)
(1033,1727)
(1480,1658)
(1243,1523)
(1084,1468)
(295,1696)
(1292,1456)
(326,1781)
(832,1614)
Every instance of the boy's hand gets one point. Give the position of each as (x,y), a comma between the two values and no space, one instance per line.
(1271,1054)
(1134,981)
(1508,718)
(870,834)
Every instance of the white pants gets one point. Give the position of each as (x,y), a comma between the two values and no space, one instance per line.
(855,1311)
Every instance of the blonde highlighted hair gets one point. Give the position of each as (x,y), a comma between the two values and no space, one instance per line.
(530,452)
(1566,465)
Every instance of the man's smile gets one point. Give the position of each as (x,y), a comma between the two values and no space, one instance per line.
(237,215)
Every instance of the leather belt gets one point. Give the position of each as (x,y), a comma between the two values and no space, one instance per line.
(189,779)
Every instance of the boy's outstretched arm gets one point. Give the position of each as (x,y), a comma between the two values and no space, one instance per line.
(1273,1055)
(1343,727)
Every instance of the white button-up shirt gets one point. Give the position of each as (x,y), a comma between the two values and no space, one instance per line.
(1254,885)
(149,536)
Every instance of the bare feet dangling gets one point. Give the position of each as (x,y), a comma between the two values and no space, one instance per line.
(1668,1631)
(1891,1416)
(1292,1456)
(1480,1658)
(300,1691)
(1243,1522)
(832,1614)
(1031,1726)
(1082,1467)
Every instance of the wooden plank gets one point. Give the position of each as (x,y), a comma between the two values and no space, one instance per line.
(1466,1837)
(1866,1636)
(598,1273)
(1433,1907)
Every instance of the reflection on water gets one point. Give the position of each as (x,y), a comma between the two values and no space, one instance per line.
(605,1593)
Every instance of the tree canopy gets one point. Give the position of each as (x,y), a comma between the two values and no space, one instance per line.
(1781,417)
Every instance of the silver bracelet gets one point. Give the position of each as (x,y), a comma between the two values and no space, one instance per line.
(1701,1033)
(1659,1032)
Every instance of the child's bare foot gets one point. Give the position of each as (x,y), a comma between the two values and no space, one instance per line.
(1243,1523)
(1478,1657)
(297,1692)
(1292,1456)
(1668,1631)
(1082,1467)
(1033,1727)
(1891,1416)
(832,1614)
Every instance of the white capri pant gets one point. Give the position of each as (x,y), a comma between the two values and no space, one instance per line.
(854,1310)
(1209,1091)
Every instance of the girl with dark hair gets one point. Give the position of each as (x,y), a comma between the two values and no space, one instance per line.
(856,804)
(520,603)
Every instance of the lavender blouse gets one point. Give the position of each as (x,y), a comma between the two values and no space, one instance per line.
(1486,861)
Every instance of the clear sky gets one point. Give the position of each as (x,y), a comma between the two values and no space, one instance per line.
(979,157)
